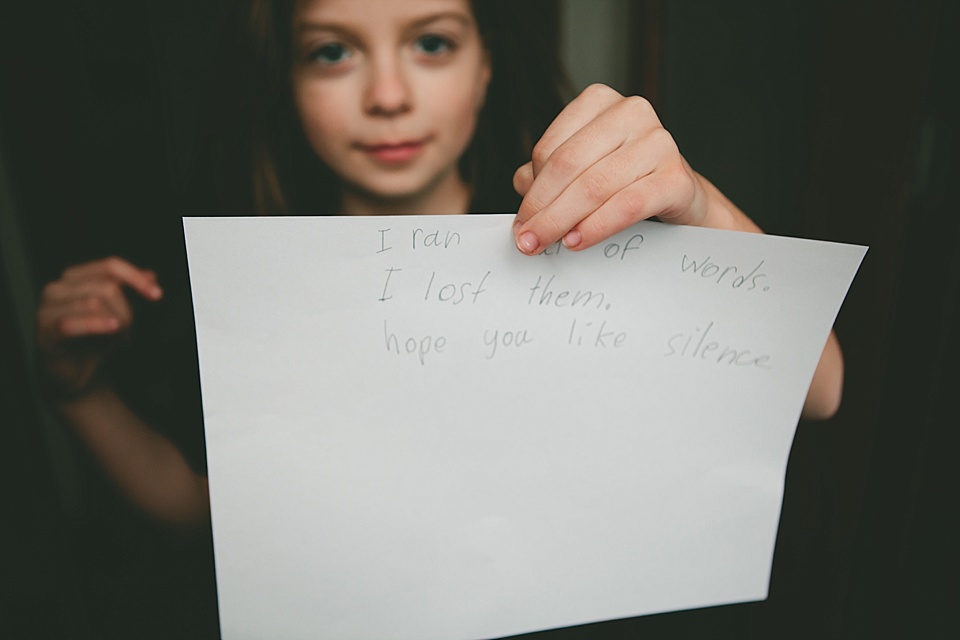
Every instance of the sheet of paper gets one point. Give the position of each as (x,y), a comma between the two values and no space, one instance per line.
(414,431)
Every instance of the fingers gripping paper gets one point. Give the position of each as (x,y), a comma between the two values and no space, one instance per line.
(414,431)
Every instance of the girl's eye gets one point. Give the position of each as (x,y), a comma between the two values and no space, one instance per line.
(434,45)
(332,53)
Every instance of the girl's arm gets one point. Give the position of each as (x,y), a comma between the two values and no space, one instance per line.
(80,319)
(147,467)
(605,163)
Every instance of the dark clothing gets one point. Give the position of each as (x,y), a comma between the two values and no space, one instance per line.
(156,371)
(139,578)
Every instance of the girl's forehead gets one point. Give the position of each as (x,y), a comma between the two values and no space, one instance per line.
(360,12)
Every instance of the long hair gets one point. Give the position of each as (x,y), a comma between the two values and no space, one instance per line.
(264,164)
(527,90)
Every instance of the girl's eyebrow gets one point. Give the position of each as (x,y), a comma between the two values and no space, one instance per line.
(462,18)
(320,26)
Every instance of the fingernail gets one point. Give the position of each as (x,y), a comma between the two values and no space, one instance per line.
(156,292)
(528,242)
(572,239)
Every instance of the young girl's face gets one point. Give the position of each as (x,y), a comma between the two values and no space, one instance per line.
(388,92)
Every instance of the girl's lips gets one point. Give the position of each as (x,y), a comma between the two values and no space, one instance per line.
(394,153)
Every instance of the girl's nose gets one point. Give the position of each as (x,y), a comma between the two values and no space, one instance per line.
(388,92)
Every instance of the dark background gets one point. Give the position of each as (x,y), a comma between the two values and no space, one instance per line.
(836,121)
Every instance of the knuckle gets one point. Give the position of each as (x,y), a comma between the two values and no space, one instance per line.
(664,139)
(564,162)
(634,207)
(530,206)
(114,263)
(599,90)
(540,154)
(551,228)
(639,105)
(596,186)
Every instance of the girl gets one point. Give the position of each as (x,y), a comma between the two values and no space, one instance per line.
(361,107)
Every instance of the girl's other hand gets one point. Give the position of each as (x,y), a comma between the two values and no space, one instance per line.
(605,163)
(81,317)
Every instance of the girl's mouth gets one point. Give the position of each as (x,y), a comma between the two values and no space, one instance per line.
(394,152)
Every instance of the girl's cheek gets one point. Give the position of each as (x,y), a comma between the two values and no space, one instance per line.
(318,114)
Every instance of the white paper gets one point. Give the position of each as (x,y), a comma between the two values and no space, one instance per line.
(414,431)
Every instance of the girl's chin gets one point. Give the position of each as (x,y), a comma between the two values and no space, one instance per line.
(415,189)
(386,194)
(399,189)
(388,198)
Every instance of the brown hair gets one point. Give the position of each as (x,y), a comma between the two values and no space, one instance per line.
(264,164)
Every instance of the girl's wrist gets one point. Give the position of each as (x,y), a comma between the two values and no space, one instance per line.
(720,212)
(63,397)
